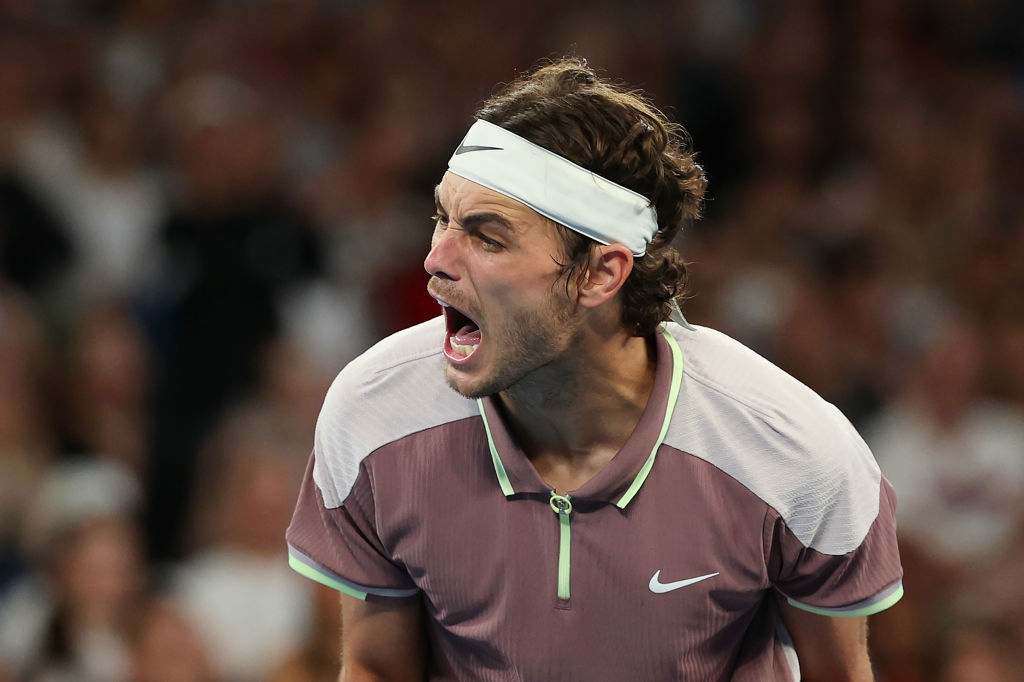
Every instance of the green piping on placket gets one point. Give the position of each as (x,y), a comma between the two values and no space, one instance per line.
(562,506)
(563,556)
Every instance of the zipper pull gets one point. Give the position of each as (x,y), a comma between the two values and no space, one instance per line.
(560,504)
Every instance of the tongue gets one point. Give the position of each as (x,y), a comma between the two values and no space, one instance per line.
(468,335)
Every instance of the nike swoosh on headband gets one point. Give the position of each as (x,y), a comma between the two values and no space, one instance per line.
(463,148)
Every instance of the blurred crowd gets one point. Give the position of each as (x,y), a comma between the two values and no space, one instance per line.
(207,208)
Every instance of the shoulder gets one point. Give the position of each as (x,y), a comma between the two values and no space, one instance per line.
(393,390)
(777,437)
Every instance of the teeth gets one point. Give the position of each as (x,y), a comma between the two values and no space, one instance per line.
(463,350)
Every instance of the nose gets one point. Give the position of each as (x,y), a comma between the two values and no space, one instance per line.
(441,260)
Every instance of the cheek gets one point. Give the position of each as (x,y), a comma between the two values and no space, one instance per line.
(519,306)
(510,288)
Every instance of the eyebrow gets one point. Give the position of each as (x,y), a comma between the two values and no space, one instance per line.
(475,220)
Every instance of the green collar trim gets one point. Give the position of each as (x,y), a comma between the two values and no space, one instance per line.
(673,396)
(499,468)
(638,480)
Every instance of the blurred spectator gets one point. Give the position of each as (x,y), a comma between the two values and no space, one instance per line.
(26,435)
(291,390)
(235,247)
(958,463)
(957,459)
(70,620)
(982,652)
(248,606)
(111,201)
(34,244)
(320,659)
(165,647)
(107,384)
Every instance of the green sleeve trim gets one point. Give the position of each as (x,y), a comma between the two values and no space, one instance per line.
(868,610)
(499,468)
(677,378)
(313,574)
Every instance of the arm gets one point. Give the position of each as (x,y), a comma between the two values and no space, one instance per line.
(382,642)
(833,649)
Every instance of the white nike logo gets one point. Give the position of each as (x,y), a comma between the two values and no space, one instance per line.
(658,587)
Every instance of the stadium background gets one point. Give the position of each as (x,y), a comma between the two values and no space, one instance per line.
(207,208)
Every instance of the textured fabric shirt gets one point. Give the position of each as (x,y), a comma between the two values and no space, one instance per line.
(738,482)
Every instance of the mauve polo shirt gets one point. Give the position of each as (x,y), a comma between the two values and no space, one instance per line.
(738,482)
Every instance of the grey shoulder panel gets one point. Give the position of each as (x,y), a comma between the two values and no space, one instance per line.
(394,389)
(778,438)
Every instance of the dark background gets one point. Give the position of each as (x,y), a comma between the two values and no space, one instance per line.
(207,208)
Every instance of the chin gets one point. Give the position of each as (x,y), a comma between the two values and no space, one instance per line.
(465,387)
(472,387)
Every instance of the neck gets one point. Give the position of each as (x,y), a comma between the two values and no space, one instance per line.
(572,417)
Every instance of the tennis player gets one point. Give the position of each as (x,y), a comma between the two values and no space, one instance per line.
(559,478)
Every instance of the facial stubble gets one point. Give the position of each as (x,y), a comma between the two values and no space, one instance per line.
(528,343)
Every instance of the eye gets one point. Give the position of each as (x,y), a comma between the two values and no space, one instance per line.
(489,244)
(440,219)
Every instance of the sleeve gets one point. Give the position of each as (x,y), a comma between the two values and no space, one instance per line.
(860,582)
(339,546)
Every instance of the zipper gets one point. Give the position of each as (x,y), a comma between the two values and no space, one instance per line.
(562,506)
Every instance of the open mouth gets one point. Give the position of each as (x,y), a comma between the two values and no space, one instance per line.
(464,335)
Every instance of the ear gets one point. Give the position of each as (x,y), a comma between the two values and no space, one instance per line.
(607,271)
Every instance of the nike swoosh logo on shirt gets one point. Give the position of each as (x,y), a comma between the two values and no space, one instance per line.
(658,587)
(463,148)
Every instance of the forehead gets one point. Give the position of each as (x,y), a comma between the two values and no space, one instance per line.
(460,196)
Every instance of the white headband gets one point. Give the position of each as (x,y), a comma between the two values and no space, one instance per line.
(555,187)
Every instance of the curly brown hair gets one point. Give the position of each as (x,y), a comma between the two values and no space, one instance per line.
(566,108)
